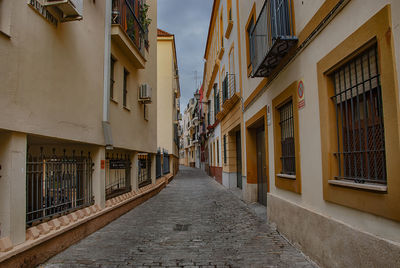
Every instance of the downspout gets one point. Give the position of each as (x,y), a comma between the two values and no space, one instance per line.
(106,91)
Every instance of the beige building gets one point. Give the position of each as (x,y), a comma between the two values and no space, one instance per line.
(78,123)
(190,150)
(168,110)
(321,116)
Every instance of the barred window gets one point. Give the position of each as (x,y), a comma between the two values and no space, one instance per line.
(286,123)
(359,120)
(224,149)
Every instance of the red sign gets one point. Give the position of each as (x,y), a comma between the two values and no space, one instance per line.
(103,164)
(300,95)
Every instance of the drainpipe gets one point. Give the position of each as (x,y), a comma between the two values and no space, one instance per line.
(107,62)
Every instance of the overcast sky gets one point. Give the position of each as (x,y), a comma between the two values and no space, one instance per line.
(188,20)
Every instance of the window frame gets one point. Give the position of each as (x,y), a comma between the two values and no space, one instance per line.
(369,199)
(285,181)
(252,17)
(125,89)
(113,62)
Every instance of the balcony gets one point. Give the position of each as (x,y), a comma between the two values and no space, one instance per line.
(272,37)
(230,95)
(127,32)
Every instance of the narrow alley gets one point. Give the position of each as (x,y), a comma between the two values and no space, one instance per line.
(210,227)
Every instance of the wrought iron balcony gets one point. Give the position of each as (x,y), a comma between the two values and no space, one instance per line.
(272,36)
(228,87)
(125,13)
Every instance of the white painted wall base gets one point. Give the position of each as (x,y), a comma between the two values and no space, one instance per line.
(250,192)
(328,242)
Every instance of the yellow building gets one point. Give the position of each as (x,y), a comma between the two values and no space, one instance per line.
(78,122)
(321,113)
(168,90)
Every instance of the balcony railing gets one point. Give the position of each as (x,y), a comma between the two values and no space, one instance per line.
(272,36)
(126,14)
(228,87)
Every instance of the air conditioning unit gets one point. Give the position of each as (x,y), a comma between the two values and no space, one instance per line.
(145,93)
(65,10)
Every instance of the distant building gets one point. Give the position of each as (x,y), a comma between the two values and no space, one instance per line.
(168,110)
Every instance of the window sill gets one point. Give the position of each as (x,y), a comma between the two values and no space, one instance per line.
(127,109)
(286,176)
(366,186)
(114,100)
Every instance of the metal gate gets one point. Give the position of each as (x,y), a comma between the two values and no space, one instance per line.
(57,184)
(166,169)
(118,175)
(144,170)
(158,165)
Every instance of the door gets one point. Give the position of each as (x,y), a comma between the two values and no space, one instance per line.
(238,160)
(261,167)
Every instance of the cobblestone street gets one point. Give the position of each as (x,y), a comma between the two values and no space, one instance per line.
(194,222)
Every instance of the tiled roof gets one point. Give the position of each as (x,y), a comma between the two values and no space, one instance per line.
(163,33)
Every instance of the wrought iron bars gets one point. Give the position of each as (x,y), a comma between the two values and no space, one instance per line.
(166,168)
(158,164)
(118,175)
(57,184)
(272,36)
(228,87)
(144,170)
(359,120)
(288,156)
(126,13)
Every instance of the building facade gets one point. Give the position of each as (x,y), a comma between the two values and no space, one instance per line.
(79,120)
(318,114)
(168,110)
(190,140)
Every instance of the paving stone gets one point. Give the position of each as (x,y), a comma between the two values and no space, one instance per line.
(193,222)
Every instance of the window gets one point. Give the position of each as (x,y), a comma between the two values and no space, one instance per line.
(217,152)
(378,111)
(249,31)
(225,149)
(229,5)
(125,91)
(221,30)
(249,39)
(286,140)
(112,81)
(286,124)
(359,120)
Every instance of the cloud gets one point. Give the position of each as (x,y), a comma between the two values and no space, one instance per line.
(188,20)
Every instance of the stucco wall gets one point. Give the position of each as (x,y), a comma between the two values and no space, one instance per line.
(304,67)
(49,87)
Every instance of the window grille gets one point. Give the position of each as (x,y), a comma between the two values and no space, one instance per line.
(224,149)
(288,156)
(144,170)
(118,175)
(359,120)
(57,184)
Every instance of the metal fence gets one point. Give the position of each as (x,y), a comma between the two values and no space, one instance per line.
(57,184)
(144,170)
(158,165)
(272,36)
(126,13)
(288,156)
(359,120)
(166,159)
(228,87)
(118,175)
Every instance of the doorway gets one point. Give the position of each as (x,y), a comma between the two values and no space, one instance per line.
(261,166)
(239,160)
